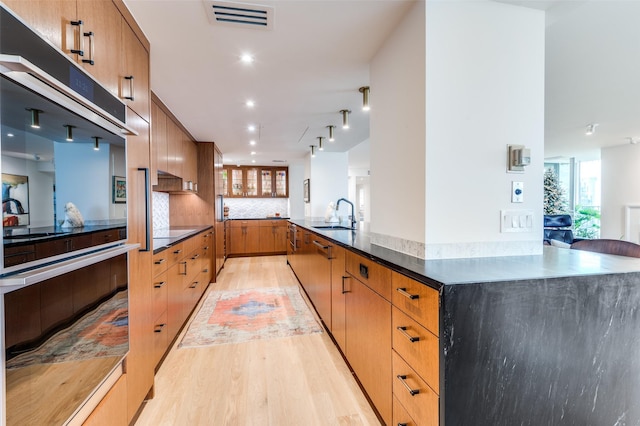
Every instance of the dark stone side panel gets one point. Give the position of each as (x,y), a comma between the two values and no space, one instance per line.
(562,351)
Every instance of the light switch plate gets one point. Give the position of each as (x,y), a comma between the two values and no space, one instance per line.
(516,220)
(517,192)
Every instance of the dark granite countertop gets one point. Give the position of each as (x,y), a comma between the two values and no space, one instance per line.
(165,238)
(552,263)
(17,236)
(257,218)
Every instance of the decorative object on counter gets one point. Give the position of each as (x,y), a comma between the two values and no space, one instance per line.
(72,216)
(119,190)
(305,190)
(226,211)
(15,200)
(237,316)
(330,215)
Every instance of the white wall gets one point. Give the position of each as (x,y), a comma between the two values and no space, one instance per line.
(328,179)
(296,201)
(81,174)
(397,129)
(620,186)
(454,84)
(40,189)
(485,89)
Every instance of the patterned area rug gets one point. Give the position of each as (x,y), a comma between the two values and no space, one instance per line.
(237,316)
(100,333)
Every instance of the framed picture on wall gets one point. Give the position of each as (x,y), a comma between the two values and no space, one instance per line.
(305,191)
(119,190)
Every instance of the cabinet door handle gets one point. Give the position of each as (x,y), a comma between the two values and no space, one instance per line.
(403,379)
(79,39)
(159,261)
(177,252)
(185,268)
(90,61)
(147,209)
(403,424)
(403,291)
(160,284)
(195,284)
(343,290)
(130,78)
(411,338)
(158,328)
(195,257)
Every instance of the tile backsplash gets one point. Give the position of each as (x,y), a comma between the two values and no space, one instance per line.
(244,208)
(160,210)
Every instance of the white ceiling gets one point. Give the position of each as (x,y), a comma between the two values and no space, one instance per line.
(311,64)
(307,68)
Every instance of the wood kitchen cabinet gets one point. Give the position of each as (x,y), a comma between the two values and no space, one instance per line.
(256,182)
(337,325)
(133,84)
(273,237)
(158,142)
(244,237)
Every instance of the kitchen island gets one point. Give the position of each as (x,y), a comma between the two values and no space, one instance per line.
(532,340)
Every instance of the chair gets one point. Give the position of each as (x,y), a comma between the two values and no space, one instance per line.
(619,247)
(558,227)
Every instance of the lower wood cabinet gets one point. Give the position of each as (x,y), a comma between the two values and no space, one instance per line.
(385,323)
(257,236)
(112,410)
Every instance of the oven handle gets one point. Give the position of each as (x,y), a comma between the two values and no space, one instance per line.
(147,204)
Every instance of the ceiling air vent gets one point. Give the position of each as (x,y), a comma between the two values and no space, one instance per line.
(240,14)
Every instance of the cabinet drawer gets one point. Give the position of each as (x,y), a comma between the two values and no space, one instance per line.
(160,338)
(416,397)
(191,244)
(160,292)
(415,299)
(160,262)
(400,415)
(417,345)
(375,276)
(244,223)
(175,253)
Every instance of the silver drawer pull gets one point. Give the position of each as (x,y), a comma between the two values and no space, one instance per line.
(402,379)
(195,284)
(159,261)
(403,424)
(320,245)
(195,257)
(403,330)
(403,291)
(160,284)
(177,252)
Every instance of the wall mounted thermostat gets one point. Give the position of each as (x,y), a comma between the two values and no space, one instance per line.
(517,192)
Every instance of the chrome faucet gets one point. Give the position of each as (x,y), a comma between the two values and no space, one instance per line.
(353,213)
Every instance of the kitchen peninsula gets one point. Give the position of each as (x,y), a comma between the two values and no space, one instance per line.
(549,339)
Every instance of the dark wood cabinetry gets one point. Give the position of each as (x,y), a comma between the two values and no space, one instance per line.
(255,182)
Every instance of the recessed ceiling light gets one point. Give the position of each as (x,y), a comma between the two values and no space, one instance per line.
(253,161)
(253,153)
(247,58)
(250,103)
(251,128)
(10,135)
(252,142)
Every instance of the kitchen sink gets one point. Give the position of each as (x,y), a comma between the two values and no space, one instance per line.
(333,227)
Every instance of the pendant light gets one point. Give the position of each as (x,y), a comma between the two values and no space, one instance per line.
(320,146)
(345,118)
(35,117)
(365,97)
(331,138)
(313,150)
(69,128)
(591,129)
(96,145)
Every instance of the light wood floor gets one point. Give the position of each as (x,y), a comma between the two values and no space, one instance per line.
(300,380)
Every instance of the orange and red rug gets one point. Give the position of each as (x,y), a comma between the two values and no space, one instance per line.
(237,316)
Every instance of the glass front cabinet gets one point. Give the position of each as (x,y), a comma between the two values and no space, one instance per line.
(256,182)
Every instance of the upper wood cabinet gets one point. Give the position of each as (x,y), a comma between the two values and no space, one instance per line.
(134,76)
(256,182)
(174,151)
(95,35)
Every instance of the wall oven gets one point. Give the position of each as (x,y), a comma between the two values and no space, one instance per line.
(63,257)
